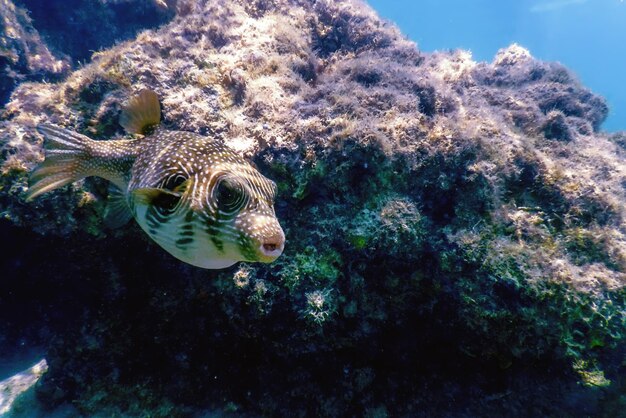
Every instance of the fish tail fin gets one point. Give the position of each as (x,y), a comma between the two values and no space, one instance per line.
(142,113)
(65,155)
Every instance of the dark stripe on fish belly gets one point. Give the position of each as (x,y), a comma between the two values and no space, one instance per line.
(154,219)
(218,244)
(186,234)
(152,223)
(214,233)
(182,243)
(186,230)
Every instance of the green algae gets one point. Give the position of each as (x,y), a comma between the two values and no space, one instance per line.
(311,267)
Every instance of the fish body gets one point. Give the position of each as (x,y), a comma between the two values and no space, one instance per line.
(193,195)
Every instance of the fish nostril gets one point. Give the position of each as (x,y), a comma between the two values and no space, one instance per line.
(269,246)
(272,244)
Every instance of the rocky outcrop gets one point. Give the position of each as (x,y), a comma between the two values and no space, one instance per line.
(42,40)
(23,55)
(78,28)
(455,230)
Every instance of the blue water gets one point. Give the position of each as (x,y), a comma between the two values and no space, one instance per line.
(588,36)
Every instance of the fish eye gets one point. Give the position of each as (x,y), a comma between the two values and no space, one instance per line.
(230,195)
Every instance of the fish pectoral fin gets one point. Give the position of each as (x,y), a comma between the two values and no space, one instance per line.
(155,196)
(117,213)
(142,113)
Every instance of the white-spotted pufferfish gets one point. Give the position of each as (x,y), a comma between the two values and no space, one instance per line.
(194,196)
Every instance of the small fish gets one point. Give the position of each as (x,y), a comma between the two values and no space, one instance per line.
(194,196)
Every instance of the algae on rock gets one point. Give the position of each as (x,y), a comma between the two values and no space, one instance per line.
(23,54)
(455,230)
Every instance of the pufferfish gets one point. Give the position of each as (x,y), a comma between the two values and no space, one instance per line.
(194,196)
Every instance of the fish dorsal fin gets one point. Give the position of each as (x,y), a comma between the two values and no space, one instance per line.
(117,213)
(142,113)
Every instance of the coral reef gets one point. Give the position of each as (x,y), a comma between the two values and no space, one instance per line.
(455,230)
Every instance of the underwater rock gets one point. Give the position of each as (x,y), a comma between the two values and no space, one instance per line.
(23,54)
(455,230)
(69,26)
